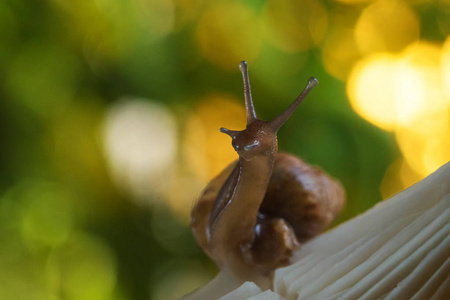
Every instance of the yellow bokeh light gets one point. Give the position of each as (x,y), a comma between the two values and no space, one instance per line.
(386,26)
(392,90)
(420,88)
(340,53)
(409,93)
(293,25)
(426,144)
(425,139)
(206,141)
(405,93)
(445,67)
(228,33)
(371,87)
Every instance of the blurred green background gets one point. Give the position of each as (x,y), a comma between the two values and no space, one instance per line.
(110,113)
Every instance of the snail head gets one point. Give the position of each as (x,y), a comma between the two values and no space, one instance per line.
(260,137)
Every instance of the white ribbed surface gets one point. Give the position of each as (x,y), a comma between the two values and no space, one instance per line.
(399,249)
(250,291)
(267,295)
(245,291)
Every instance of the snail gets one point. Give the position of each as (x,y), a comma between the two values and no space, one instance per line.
(259,209)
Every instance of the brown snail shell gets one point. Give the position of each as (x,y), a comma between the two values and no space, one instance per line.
(300,196)
(304,195)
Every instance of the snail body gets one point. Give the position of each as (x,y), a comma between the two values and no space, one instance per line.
(257,211)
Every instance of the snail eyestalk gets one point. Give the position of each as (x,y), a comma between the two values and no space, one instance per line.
(250,109)
(231,133)
(276,123)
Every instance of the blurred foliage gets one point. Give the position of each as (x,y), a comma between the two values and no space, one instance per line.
(110,110)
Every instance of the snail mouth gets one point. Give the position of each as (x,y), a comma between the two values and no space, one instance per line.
(246,156)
